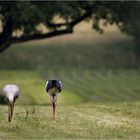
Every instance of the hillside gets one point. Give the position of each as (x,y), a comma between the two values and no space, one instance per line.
(94,67)
(101,93)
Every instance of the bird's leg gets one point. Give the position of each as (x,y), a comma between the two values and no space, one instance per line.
(54,105)
(9,112)
(12,109)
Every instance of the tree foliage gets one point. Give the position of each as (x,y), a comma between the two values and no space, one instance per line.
(25,16)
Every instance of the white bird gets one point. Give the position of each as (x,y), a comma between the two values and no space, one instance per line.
(53,88)
(11,93)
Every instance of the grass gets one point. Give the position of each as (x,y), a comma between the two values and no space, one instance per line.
(32,88)
(86,121)
(78,86)
(100,96)
(90,54)
(96,70)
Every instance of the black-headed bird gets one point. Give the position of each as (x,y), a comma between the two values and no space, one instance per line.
(53,88)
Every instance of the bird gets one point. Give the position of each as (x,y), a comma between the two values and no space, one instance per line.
(11,93)
(53,88)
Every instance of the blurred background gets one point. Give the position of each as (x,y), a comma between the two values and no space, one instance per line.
(97,61)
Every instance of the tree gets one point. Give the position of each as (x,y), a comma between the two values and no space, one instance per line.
(131,25)
(126,15)
(25,16)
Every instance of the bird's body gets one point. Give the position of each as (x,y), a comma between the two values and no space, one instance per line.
(11,93)
(53,88)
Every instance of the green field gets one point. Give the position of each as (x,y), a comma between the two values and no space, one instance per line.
(78,86)
(100,96)
(86,121)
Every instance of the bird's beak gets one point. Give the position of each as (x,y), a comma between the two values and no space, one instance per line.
(10,110)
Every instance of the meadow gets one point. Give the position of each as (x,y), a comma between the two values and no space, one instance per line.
(101,92)
(85,121)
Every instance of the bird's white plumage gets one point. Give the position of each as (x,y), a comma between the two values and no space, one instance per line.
(47,83)
(60,83)
(10,91)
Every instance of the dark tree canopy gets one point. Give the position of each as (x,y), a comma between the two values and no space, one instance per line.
(25,16)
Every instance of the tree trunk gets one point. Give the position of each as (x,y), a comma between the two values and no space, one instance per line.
(4,45)
(137,48)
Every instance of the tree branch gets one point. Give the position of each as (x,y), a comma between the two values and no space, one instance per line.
(69,29)
(39,36)
(71,23)
(12,40)
(78,20)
